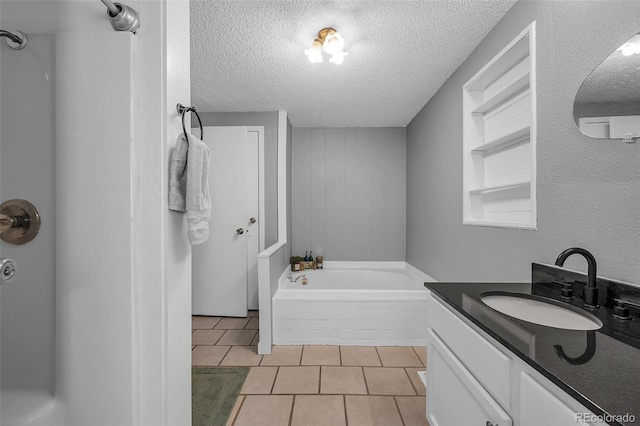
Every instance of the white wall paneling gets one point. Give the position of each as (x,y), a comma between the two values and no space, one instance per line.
(349,193)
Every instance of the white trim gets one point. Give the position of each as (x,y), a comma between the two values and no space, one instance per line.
(282,177)
(261,186)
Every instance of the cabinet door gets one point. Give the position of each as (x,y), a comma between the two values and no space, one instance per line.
(540,407)
(454,396)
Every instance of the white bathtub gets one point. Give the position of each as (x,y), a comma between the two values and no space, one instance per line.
(352,303)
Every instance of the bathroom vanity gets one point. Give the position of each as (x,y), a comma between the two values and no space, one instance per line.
(488,368)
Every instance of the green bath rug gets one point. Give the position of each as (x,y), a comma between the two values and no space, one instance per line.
(214,391)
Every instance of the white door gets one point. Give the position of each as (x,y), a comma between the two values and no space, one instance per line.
(221,268)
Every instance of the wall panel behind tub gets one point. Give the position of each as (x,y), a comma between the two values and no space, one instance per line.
(349,189)
(94,119)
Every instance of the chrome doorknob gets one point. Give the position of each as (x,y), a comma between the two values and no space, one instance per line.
(239,231)
(252,220)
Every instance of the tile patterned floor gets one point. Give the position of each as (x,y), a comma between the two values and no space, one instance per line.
(314,385)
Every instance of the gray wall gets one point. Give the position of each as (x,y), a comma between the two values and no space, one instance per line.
(270,122)
(588,190)
(349,187)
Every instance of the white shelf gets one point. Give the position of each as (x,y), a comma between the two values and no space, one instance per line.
(500,188)
(515,137)
(499,139)
(512,83)
(496,224)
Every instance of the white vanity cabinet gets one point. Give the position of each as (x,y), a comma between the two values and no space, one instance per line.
(459,398)
(473,380)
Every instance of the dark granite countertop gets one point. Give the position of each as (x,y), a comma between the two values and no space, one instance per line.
(606,381)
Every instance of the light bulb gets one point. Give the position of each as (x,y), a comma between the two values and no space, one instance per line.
(333,43)
(338,57)
(315,53)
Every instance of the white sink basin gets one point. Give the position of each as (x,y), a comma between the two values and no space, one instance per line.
(542,311)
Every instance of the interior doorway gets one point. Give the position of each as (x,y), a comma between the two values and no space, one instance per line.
(225,267)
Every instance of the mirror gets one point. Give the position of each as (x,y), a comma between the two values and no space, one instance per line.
(607,106)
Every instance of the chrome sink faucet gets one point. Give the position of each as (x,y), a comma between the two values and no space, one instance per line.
(591,290)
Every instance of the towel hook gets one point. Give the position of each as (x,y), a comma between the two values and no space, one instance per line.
(183,110)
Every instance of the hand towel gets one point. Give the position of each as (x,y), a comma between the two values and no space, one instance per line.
(192,180)
(177,176)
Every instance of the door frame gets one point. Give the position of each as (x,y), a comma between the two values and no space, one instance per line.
(261,185)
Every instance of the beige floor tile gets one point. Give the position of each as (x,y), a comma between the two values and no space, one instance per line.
(240,356)
(297,380)
(204,323)
(260,380)
(253,313)
(229,323)
(283,355)
(360,356)
(413,410)
(342,380)
(318,410)
(398,356)
(372,411)
(388,381)
(208,355)
(417,382)
(253,324)
(206,337)
(237,337)
(272,410)
(320,355)
(422,353)
(256,339)
(235,410)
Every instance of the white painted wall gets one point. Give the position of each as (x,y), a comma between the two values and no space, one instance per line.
(94,256)
(349,193)
(163,253)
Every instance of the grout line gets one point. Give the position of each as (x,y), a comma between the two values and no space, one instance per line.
(424,364)
(293,404)
(233,419)
(366,385)
(344,404)
(273,385)
(340,355)
(399,411)
(411,381)
(379,357)
(223,357)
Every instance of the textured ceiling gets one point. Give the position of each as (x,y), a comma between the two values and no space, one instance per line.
(248,55)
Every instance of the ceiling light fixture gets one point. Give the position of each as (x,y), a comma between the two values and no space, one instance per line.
(331,42)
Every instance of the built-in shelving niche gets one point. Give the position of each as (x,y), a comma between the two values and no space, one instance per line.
(499,164)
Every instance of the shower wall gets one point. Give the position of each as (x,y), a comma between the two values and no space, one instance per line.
(27,172)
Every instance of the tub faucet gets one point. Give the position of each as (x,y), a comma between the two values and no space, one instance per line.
(296,278)
(591,290)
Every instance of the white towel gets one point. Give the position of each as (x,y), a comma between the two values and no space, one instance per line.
(189,186)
